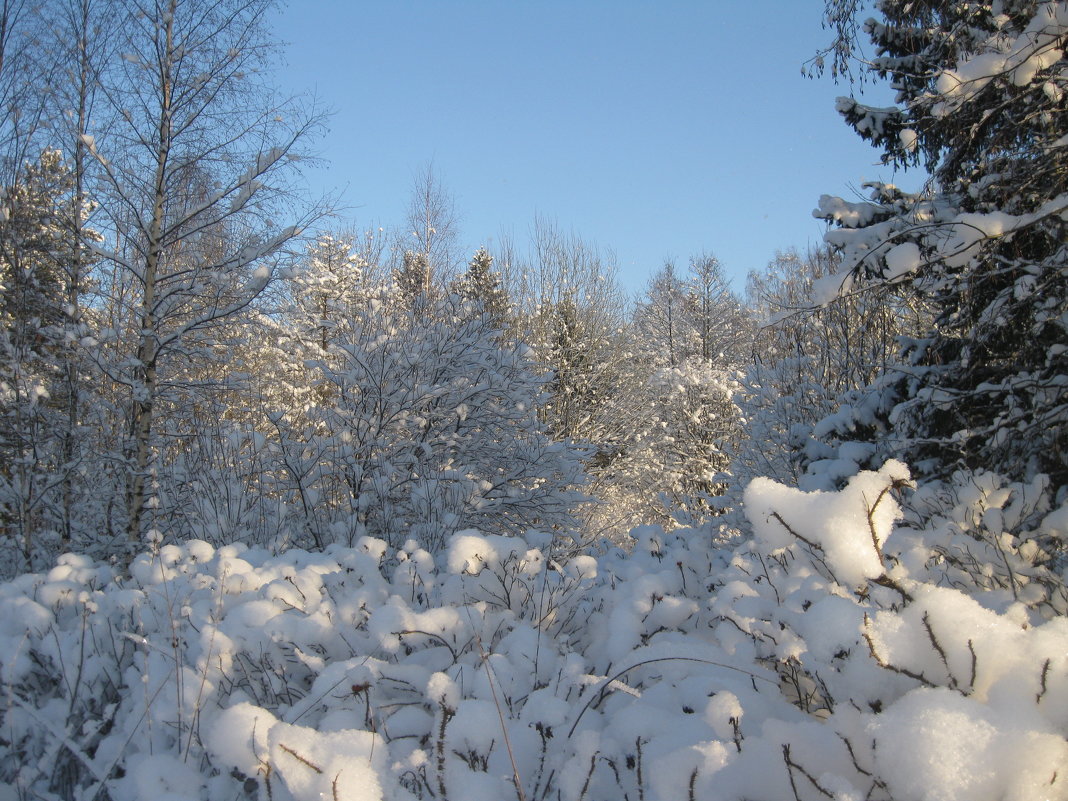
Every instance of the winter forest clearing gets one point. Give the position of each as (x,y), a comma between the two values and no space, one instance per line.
(293,512)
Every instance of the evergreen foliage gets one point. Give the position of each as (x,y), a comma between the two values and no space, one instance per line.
(481,286)
(981,104)
(40,365)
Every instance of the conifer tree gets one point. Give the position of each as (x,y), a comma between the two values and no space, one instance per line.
(980,103)
(325,288)
(412,280)
(481,285)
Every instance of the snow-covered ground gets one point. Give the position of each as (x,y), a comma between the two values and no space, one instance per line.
(838,652)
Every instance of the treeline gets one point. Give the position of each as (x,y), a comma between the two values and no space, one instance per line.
(361,384)
(185,353)
(191,347)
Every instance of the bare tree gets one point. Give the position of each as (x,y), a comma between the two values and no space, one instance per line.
(432,226)
(21,102)
(75,51)
(660,317)
(196,167)
(721,326)
(805,357)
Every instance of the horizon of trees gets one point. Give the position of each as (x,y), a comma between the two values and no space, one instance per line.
(180,325)
(168,289)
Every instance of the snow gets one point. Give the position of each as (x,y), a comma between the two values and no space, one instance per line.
(160,776)
(340,765)
(901,260)
(845,213)
(443,691)
(940,746)
(1017,62)
(833,523)
(822,645)
(470,552)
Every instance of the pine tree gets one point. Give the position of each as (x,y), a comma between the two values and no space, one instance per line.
(412,280)
(481,285)
(325,288)
(981,104)
(572,388)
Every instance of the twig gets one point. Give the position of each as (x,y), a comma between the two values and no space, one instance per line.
(870,510)
(299,758)
(1045,672)
(64,738)
(975,660)
(789,771)
(433,636)
(885,581)
(267,781)
(791,766)
(774,589)
(884,664)
(500,714)
(595,699)
(446,716)
(938,647)
(195,723)
(852,755)
(793,533)
(589,776)
(641,781)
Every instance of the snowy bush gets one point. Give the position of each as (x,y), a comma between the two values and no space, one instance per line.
(426,424)
(844,651)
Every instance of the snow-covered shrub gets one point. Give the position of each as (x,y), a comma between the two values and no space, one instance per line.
(930,691)
(425,424)
(669,468)
(1002,542)
(832,655)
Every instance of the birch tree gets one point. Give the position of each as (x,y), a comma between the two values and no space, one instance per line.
(432,227)
(197,162)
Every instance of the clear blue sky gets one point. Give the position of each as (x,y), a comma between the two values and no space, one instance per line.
(656,128)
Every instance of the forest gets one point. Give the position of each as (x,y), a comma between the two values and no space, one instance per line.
(292,509)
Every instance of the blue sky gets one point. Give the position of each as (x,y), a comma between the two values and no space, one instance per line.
(656,129)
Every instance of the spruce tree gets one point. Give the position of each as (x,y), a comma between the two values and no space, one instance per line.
(980,103)
(481,285)
(35,345)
